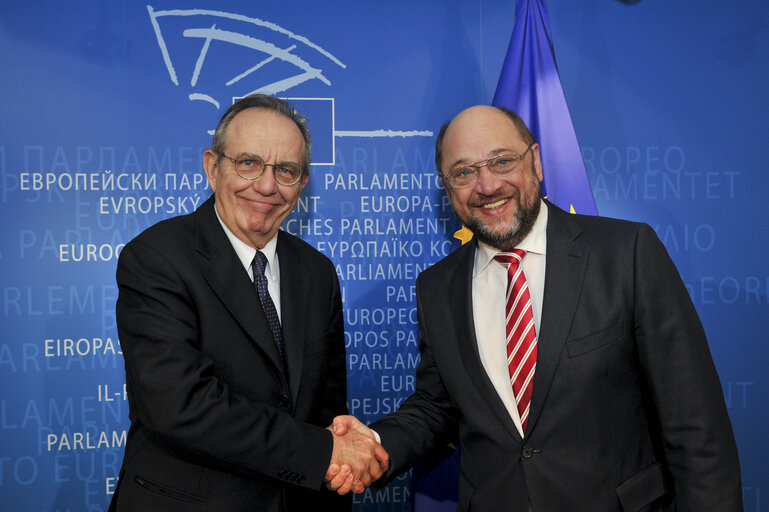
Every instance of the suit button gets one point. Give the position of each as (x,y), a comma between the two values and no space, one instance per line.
(527,452)
(284,401)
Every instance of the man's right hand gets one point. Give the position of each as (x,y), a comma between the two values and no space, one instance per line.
(342,424)
(357,458)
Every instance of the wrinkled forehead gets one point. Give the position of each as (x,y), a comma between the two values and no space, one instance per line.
(263,127)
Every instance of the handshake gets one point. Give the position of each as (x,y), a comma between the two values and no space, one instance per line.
(357,459)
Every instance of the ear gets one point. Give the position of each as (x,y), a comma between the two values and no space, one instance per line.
(305,178)
(211,166)
(537,162)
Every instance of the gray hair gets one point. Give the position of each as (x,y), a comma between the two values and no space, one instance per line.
(269,103)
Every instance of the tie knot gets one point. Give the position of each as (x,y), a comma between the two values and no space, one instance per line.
(260,262)
(515,257)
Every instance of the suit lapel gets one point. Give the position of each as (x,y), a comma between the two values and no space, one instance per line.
(294,295)
(564,274)
(229,281)
(460,280)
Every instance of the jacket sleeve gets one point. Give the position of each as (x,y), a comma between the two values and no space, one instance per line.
(427,421)
(335,402)
(699,446)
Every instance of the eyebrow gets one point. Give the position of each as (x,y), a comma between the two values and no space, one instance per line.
(247,154)
(492,153)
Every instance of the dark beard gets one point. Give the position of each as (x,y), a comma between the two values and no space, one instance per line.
(520,227)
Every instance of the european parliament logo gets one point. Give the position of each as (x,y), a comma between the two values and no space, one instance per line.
(219,57)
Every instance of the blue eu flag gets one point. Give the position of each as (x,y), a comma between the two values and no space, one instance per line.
(530,85)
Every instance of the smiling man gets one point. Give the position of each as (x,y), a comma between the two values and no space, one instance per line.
(500,208)
(561,351)
(233,340)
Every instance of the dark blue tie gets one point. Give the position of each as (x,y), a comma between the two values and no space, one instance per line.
(260,281)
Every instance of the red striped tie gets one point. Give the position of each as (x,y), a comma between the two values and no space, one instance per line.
(520,330)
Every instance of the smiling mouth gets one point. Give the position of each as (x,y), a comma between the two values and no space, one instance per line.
(497,204)
(260,203)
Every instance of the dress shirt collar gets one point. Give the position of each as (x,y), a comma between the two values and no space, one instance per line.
(535,242)
(245,252)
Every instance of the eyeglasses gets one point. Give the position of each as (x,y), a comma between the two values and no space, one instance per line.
(251,167)
(500,165)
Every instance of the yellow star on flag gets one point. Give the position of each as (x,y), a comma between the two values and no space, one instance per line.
(464,235)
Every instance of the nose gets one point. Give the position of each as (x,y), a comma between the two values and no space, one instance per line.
(487,181)
(266,184)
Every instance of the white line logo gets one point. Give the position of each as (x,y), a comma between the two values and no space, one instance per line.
(226,41)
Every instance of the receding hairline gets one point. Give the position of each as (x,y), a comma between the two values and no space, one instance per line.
(518,123)
(267,103)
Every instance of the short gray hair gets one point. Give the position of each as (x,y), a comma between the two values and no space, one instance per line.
(268,103)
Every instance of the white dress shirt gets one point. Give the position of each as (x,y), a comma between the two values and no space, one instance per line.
(246,254)
(489,292)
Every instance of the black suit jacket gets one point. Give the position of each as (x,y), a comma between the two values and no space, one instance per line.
(627,410)
(217,421)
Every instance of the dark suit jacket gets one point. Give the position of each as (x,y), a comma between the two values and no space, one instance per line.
(217,423)
(627,410)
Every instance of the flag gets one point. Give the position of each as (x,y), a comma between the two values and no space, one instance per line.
(461,236)
(530,85)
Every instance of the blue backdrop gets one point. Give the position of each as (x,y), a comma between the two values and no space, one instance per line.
(107,108)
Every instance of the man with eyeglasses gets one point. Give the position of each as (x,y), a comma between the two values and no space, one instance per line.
(561,351)
(232,335)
